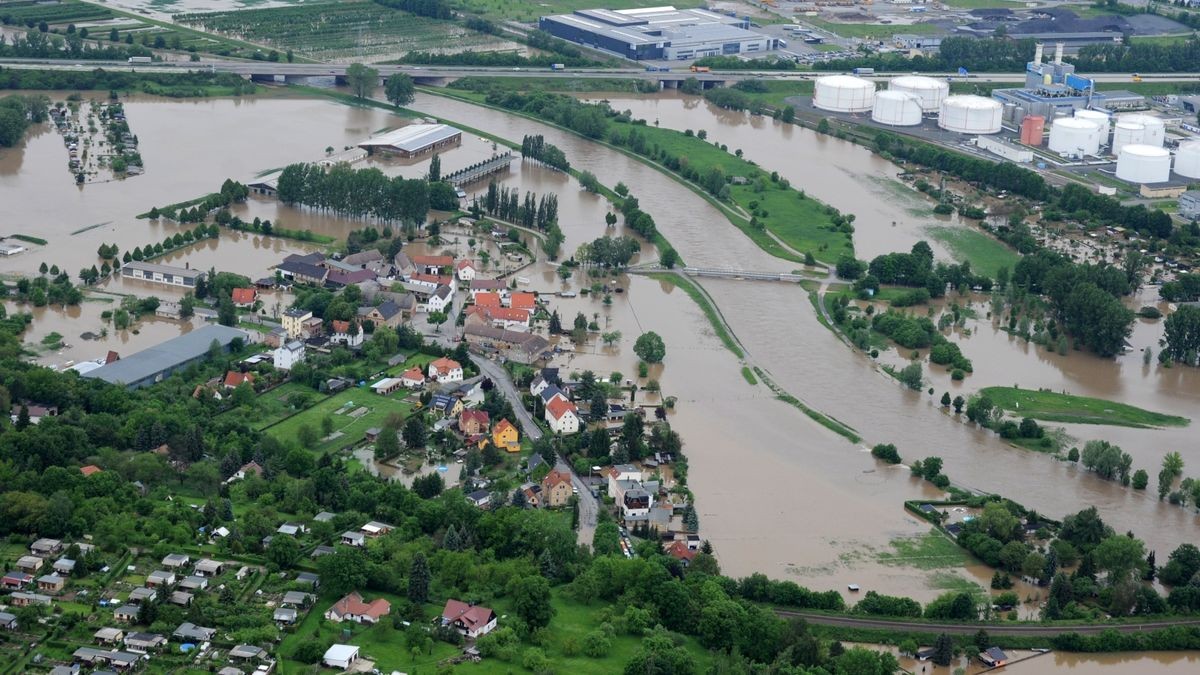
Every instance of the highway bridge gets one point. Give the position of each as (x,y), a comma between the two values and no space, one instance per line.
(434,75)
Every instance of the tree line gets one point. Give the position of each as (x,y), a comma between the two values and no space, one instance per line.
(536,148)
(363,192)
(17,113)
(434,9)
(164,84)
(540,213)
(38,45)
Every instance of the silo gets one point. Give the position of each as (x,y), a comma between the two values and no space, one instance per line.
(896,108)
(1144,164)
(1033,128)
(1075,137)
(1127,133)
(1102,120)
(843,93)
(1155,131)
(970,115)
(1187,159)
(929,91)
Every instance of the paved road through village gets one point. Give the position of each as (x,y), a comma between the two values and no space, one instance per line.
(588,506)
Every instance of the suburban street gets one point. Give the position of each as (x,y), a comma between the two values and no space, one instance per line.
(588,504)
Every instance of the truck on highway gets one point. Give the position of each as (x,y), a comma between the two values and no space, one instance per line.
(700,69)
(140,59)
(558,66)
(864,71)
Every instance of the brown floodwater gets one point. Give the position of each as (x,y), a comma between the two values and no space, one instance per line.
(777,325)
(776,492)
(1028,662)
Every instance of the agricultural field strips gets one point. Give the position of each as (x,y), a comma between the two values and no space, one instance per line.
(101,21)
(356,29)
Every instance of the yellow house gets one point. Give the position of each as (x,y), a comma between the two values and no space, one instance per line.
(506,437)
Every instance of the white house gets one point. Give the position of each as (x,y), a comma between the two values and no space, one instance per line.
(347,333)
(465,270)
(446,370)
(622,472)
(562,415)
(412,378)
(289,354)
(440,299)
(340,656)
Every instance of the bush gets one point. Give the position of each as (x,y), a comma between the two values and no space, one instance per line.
(886,452)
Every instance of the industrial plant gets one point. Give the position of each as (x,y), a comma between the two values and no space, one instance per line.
(1058,118)
(654,33)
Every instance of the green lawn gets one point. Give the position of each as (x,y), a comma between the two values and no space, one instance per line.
(986,255)
(275,405)
(749,375)
(778,90)
(1066,408)
(932,550)
(339,407)
(1162,39)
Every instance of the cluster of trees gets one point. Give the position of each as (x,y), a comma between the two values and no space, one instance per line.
(536,148)
(52,287)
(609,251)
(636,219)
(735,97)
(1085,298)
(540,213)
(165,84)
(1004,176)
(1107,460)
(363,192)
(1183,288)
(1174,57)
(231,192)
(1087,206)
(1182,335)
(990,55)
(17,113)
(38,45)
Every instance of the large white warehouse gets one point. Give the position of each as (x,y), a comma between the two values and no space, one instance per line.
(970,114)
(1137,129)
(1075,136)
(1187,159)
(929,91)
(1144,164)
(843,93)
(896,108)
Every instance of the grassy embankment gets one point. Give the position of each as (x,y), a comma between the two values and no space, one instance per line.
(801,223)
(1069,409)
(824,420)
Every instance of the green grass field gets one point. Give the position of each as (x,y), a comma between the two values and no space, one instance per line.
(1162,39)
(339,407)
(276,405)
(1066,408)
(879,31)
(777,91)
(749,375)
(986,255)
(932,550)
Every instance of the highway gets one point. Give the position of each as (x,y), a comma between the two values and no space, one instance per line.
(1010,629)
(268,68)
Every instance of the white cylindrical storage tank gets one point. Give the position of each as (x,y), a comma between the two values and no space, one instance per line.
(896,108)
(931,92)
(1155,129)
(1144,164)
(843,93)
(1075,136)
(970,114)
(1187,159)
(1127,133)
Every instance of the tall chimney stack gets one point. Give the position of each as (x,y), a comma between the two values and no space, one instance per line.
(1058,51)
(1037,54)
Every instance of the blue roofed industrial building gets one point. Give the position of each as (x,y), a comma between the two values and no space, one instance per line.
(654,33)
(158,362)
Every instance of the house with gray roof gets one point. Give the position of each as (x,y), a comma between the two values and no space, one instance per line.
(190,631)
(156,363)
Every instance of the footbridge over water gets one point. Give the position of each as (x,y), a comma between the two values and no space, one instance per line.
(484,169)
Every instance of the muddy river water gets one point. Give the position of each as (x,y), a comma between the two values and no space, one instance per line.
(777,492)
